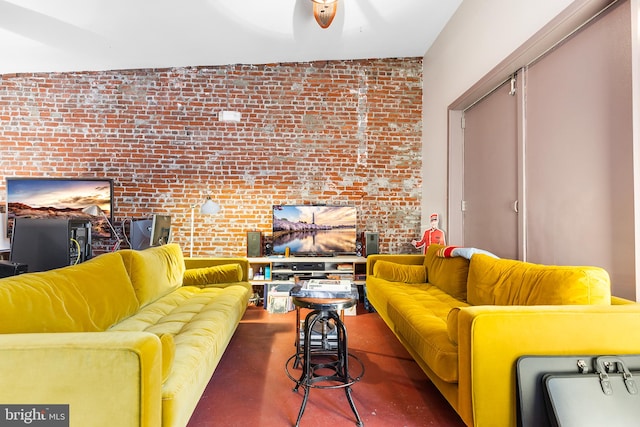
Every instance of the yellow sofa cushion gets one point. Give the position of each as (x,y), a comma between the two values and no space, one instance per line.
(87,297)
(201,322)
(395,272)
(419,315)
(509,282)
(448,274)
(226,273)
(154,271)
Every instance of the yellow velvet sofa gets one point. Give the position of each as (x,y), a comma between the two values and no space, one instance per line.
(129,338)
(466,319)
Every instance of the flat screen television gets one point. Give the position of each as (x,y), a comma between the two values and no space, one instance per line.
(60,198)
(160,230)
(314,230)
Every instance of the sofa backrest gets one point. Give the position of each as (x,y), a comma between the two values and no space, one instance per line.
(447,273)
(494,281)
(155,271)
(87,297)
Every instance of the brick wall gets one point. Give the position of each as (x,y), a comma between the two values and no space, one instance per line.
(339,132)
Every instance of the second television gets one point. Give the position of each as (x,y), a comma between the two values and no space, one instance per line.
(154,231)
(160,230)
(314,230)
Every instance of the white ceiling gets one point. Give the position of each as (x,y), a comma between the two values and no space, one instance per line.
(80,35)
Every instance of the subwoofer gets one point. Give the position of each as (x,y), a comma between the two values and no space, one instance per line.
(254,244)
(359,247)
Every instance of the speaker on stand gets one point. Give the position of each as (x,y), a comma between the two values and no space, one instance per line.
(371,243)
(254,244)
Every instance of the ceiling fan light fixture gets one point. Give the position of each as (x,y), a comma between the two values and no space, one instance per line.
(324,11)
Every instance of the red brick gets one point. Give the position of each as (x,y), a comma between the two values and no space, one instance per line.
(303,138)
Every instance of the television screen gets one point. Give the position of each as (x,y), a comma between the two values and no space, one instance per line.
(160,230)
(314,230)
(60,198)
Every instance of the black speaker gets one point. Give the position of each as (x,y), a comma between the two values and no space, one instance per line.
(8,268)
(267,242)
(254,244)
(371,243)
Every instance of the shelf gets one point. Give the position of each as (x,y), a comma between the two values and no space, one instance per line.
(283,270)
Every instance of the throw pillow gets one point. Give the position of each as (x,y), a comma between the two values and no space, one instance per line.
(225,273)
(451,251)
(447,251)
(395,272)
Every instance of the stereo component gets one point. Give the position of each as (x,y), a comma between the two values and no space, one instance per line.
(307,266)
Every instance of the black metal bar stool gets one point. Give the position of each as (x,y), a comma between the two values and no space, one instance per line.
(322,350)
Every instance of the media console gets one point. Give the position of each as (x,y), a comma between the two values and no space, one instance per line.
(277,275)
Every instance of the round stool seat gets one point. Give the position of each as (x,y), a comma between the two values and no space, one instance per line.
(334,304)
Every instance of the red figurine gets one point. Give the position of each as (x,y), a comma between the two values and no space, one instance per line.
(432,235)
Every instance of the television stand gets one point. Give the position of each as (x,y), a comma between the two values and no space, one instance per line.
(284,270)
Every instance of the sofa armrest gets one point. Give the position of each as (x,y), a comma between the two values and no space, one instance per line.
(491,338)
(409,259)
(621,301)
(212,261)
(106,378)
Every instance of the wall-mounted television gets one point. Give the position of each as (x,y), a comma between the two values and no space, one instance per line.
(314,230)
(60,198)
